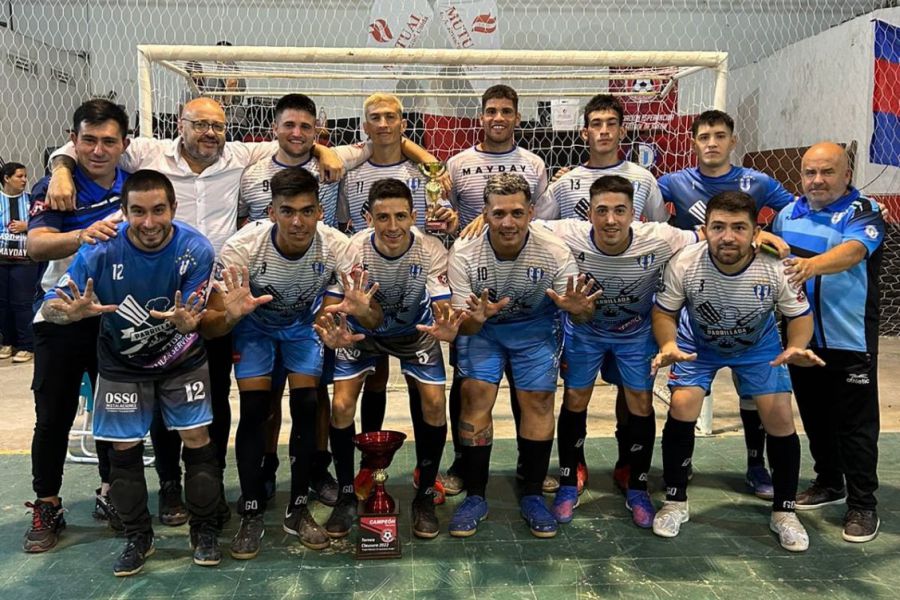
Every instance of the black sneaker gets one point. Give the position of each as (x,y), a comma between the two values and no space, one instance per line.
(817,496)
(301,523)
(860,525)
(205,542)
(172,511)
(424,520)
(246,542)
(342,515)
(325,488)
(46,522)
(105,511)
(137,549)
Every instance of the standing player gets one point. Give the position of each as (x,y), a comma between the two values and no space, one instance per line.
(149,352)
(731,296)
(285,266)
(409,271)
(689,191)
(625,258)
(509,277)
(64,354)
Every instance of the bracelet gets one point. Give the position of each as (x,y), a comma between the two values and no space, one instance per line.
(78,237)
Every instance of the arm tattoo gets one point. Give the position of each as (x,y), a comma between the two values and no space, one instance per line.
(50,311)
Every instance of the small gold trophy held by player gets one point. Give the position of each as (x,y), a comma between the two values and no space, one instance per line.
(433,171)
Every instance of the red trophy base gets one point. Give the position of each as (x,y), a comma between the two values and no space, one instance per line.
(378,533)
(378,537)
(436,227)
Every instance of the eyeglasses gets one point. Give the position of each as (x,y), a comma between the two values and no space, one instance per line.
(204,126)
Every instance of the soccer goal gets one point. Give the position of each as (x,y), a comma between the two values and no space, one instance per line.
(441,91)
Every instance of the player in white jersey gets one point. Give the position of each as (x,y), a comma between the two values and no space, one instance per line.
(496,153)
(284,269)
(625,259)
(409,270)
(513,277)
(604,128)
(730,296)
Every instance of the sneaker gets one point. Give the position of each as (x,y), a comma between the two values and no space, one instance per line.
(301,524)
(582,476)
(550,484)
(621,476)
(539,518)
(667,522)
(205,542)
(472,511)
(565,503)
(363,482)
(791,533)
(424,520)
(172,511)
(817,496)
(105,511)
(22,356)
(860,525)
(6,352)
(641,507)
(131,560)
(246,542)
(325,488)
(342,516)
(46,522)
(453,483)
(440,496)
(760,482)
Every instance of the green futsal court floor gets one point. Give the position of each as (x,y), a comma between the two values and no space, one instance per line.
(725,551)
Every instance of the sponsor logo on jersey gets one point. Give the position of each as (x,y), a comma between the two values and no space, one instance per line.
(646,260)
(132,311)
(836,217)
(486,23)
(318,268)
(871,232)
(698,211)
(121,402)
(415,271)
(413,184)
(762,292)
(535,274)
(858,378)
(746,181)
(491,169)
(380,31)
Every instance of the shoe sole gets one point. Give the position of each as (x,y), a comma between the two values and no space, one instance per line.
(543,534)
(801,507)
(311,546)
(426,535)
(788,548)
(336,535)
(149,553)
(861,539)
(244,555)
(468,532)
(174,521)
(207,563)
(38,549)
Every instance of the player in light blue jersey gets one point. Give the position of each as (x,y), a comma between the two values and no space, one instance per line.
(409,271)
(513,277)
(730,297)
(149,352)
(689,191)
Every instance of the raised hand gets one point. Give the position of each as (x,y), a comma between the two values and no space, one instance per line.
(799,357)
(236,296)
(79,306)
(334,331)
(473,228)
(185,317)
(357,298)
(577,301)
(446,322)
(669,355)
(481,309)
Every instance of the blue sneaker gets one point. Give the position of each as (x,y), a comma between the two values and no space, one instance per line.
(565,503)
(539,518)
(642,511)
(472,511)
(760,482)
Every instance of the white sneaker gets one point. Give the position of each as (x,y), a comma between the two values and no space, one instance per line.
(5,352)
(22,356)
(668,519)
(790,530)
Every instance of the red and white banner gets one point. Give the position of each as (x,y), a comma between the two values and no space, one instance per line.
(471,25)
(397,23)
(644,111)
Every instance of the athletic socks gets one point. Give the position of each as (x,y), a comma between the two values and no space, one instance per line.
(571,431)
(249,447)
(677,450)
(534,456)
(430,442)
(476,461)
(754,436)
(371,410)
(641,435)
(342,452)
(302,445)
(784,458)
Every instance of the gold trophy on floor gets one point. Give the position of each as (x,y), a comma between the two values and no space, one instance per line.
(433,172)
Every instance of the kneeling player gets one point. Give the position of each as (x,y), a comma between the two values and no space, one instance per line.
(731,296)
(410,274)
(148,352)
(275,275)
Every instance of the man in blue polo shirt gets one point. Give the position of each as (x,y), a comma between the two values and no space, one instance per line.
(689,191)
(836,237)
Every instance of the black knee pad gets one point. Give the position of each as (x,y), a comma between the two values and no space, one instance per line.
(202,480)
(128,487)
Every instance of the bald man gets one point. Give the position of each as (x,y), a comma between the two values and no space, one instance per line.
(836,237)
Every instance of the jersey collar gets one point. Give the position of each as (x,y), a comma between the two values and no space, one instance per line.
(802,207)
(94,191)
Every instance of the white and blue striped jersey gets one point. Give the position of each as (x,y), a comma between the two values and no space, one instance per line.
(628,279)
(407,284)
(297,285)
(256,194)
(353,200)
(470,169)
(729,313)
(544,262)
(569,197)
